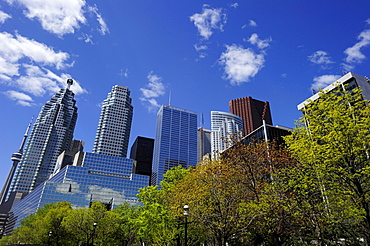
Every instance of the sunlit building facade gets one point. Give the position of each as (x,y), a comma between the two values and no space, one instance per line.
(226,128)
(175,141)
(347,82)
(252,111)
(113,133)
(51,134)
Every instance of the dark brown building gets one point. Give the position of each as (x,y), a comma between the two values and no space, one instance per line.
(252,111)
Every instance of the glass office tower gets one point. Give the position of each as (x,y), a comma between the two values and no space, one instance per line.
(51,134)
(175,141)
(113,133)
(91,177)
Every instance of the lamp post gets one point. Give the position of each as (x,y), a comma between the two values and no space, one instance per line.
(49,239)
(93,234)
(186,213)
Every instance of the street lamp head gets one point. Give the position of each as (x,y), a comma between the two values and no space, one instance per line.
(50,233)
(186,210)
(95,224)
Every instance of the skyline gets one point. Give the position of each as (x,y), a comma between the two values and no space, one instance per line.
(193,55)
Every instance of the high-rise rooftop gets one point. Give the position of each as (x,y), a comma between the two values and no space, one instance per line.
(252,111)
(113,133)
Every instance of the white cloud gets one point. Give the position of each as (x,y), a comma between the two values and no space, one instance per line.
(154,89)
(234,5)
(4,16)
(324,80)
(14,48)
(368,21)
(353,53)
(261,44)
(38,81)
(252,23)
(320,57)
(56,16)
(209,20)
(200,47)
(124,73)
(347,67)
(103,25)
(87,38)
(23,65)
(240,64)
(21,98)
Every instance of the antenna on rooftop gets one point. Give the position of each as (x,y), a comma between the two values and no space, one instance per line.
(202,121)
(169,99)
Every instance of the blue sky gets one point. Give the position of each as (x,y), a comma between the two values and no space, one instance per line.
(196,55)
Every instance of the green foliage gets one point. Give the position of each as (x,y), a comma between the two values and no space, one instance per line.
(228,198)
(332,184)
(35,228)
(156,224)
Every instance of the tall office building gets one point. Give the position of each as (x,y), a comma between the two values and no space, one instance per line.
(51,134)
(225,128)
(252,111)
(175,141)
(113,133)
(204,143)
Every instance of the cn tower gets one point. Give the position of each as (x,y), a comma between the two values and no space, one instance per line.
(16,158)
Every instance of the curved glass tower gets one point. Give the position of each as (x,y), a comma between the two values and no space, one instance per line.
(225,128)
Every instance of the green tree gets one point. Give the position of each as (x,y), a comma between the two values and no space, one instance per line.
(230,198)
(35,228)
(80,224)
(331,141)
(156,224)
(127,232)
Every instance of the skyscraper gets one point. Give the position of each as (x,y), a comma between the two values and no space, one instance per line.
(225,128)
(51,134)
(252,111)
(113,133)
(175,141)
(204,143)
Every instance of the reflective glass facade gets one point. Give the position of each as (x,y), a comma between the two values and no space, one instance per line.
(51,134)
(175,141)
(225,127)
(113,133)
(100,178)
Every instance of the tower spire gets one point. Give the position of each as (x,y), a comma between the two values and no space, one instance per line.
(16,158)
(25,137)
(69,83)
